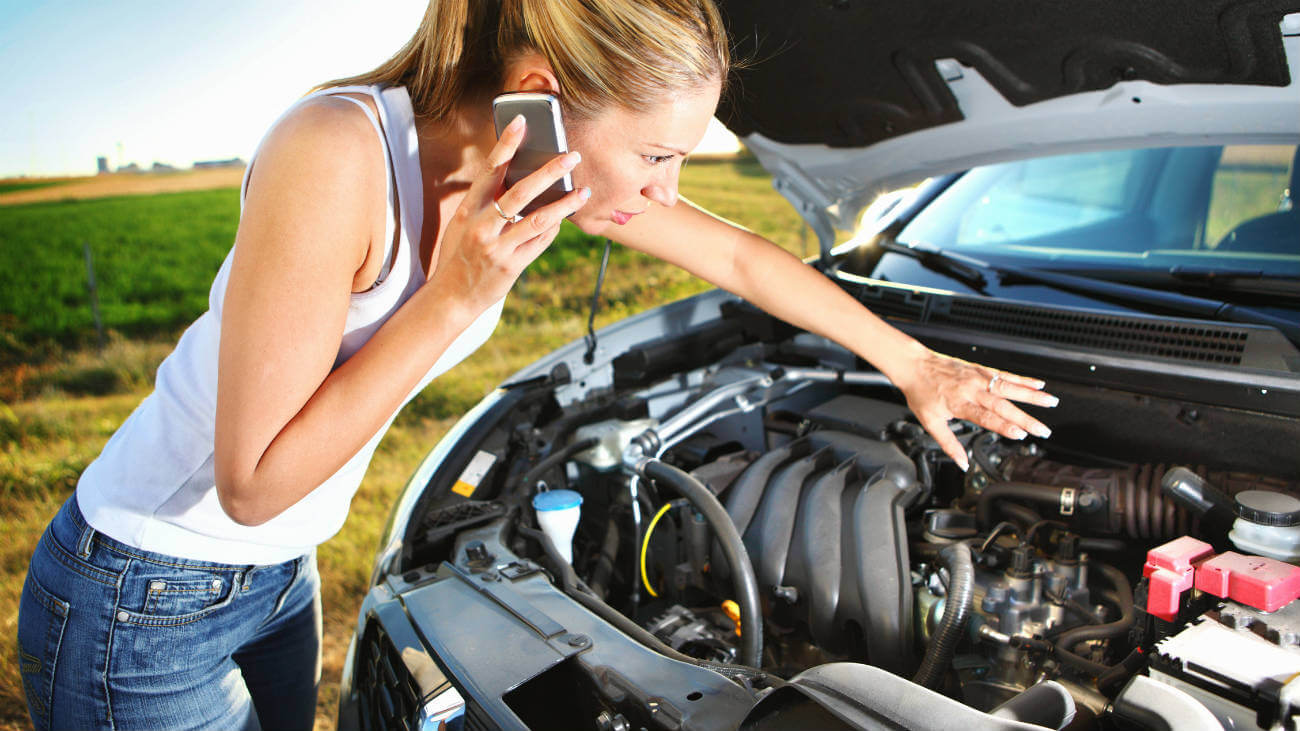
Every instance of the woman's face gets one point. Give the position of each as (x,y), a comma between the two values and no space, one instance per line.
(632,159)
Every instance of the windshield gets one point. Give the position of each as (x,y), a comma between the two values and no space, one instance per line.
(1222,209)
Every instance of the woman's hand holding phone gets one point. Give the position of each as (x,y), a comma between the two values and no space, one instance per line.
(482,253)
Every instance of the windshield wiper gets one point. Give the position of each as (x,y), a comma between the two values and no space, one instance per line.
(1252,281)
(1126,294)
(943,263)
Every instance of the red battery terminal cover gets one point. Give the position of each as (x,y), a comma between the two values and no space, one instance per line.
(1170,571)
(1263,583)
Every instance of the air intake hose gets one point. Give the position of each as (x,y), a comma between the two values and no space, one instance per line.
(956,613)
(733,549)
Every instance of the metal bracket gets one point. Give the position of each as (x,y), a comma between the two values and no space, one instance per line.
(1067,501)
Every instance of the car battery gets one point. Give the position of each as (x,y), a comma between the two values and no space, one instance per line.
(1241,660)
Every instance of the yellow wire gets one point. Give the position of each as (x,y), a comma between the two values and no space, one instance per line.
(646,544)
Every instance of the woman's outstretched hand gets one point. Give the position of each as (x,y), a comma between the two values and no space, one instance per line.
(482,252)
(940,388)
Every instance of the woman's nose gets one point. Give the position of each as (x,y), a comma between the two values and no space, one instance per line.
(663,190)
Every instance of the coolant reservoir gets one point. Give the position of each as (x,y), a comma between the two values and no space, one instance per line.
(1268,524)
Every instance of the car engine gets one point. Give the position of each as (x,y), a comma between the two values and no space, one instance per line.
(776,516)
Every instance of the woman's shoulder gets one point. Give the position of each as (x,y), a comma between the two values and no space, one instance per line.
(328,124)
(321,161)
(322,142)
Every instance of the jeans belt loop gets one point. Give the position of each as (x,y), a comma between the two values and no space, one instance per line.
(85,542)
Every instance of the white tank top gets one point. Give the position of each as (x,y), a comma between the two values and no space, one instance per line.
(153,487)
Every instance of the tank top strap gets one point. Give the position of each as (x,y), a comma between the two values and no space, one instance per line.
(393,226)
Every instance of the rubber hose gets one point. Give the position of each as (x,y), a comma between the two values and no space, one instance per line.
(1122,597)
(554,459)
(567,576)
(642,635)
(571,585)
(733,549)
(1120,673)
(1041,494)
(1065,657)
(605,558)
(1020,513)
(956,613)
(1107,545)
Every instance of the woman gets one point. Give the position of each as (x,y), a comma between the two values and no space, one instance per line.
(376,243)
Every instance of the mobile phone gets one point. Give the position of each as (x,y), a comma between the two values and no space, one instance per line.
(543,140)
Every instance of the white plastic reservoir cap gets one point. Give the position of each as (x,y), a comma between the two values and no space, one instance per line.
(558,512)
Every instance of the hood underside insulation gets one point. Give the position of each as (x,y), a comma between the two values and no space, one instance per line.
(849,73)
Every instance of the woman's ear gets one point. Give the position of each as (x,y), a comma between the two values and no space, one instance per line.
(530,71)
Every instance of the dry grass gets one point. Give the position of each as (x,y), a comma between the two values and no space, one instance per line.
(103,186)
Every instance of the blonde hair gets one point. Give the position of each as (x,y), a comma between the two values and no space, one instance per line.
(604,53)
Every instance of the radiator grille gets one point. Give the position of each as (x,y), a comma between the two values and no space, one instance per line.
(388,696)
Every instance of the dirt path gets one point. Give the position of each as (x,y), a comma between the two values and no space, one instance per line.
(101,186)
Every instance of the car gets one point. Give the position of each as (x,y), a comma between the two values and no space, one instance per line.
(705,518)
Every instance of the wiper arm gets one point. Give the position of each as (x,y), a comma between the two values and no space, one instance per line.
(968,268)
(943,263)
(1252,281)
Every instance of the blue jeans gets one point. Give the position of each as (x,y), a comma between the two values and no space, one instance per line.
(110,636)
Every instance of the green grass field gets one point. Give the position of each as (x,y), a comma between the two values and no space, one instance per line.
(61,398)
(154,258)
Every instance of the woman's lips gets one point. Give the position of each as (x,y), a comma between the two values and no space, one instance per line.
(621,217)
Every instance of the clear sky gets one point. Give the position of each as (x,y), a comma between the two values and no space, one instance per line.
(174,82)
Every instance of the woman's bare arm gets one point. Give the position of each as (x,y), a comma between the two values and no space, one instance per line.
(285,421)
(937,387)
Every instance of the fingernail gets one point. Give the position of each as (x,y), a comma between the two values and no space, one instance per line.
(1041,431)
(584,193)
(571,160)
(1052,401)
(964,464)
(1039,384)
(516,123)
(1018,433)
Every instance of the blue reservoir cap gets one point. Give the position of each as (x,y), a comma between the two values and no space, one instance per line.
(556,500)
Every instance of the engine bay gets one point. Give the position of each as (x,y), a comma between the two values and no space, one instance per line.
(776,518)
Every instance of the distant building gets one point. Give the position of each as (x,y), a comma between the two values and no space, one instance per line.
(101,165)
(162,167)
(233,162)
(131,168)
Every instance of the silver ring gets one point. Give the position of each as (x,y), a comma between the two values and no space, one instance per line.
(993,381)
(507,219)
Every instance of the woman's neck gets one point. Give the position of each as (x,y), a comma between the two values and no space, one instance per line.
(454,150)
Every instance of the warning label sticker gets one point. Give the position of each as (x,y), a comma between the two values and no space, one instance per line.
(469,479)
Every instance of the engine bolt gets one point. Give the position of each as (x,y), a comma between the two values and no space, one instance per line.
(611,722)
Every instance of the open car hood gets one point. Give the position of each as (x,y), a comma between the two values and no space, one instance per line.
(844,99)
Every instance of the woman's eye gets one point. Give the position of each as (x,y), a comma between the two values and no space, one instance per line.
(657,159)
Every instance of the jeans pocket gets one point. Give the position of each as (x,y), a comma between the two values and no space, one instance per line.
(160,597)
(41,620)
(178,598)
